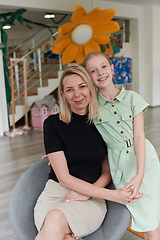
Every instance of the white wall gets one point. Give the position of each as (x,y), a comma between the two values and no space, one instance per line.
(3,105)
(156,56)
(1,127)
(148,53)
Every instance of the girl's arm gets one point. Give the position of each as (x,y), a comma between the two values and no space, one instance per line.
(59,164)
(139,144)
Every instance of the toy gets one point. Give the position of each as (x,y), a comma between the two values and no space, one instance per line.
(40,110)
(84,33)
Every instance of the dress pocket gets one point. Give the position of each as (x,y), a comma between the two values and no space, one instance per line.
(102,118)
(128,119)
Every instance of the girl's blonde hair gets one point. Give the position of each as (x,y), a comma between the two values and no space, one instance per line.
(65,110)
(92,54)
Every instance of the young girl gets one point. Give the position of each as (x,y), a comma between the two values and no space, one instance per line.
(133,160)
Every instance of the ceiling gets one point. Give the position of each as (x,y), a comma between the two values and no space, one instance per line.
(37,16)
(137,2)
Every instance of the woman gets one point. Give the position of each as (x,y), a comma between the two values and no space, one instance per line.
(80,168)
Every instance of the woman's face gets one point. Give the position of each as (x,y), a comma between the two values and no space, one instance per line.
(77,93)
(100,71)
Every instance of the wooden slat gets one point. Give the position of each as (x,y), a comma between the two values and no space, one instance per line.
(54,62)
(45,77)
(28,93)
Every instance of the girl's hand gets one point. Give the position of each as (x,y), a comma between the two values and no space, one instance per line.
(74,196)
(120,196)
(124,196)
(133,186)
(138,195)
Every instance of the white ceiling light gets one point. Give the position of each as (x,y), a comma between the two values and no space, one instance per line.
(6,27)
(49,16)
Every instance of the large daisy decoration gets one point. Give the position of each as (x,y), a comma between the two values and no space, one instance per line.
(84,33)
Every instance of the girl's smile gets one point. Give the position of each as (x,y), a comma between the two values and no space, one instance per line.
(103,79)
(100,71)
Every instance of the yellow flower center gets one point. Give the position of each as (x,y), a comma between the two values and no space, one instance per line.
(81,34)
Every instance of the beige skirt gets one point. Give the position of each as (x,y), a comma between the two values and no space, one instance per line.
(83,217)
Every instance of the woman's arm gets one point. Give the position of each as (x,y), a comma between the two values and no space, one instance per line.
(59,164)
(105,177)
(102,181)
(139,144)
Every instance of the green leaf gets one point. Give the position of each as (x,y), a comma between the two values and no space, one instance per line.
(20,19)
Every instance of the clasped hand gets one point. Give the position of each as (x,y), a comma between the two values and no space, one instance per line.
(133,187)
(128,194)
(125,196)
(119,195)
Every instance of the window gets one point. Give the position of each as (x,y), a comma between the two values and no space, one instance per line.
(55,109)
(35,112)
(44,111)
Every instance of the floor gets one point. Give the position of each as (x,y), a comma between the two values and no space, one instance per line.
(20,152)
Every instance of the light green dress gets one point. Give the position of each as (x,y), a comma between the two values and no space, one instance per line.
(115,123)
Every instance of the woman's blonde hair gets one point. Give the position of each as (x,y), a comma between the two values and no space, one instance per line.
(65,110)
(92,54)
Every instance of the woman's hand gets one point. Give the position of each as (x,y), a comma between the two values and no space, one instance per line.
(44,156)
(134,185)
(74,196)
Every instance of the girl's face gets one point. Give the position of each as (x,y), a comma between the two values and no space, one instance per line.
(77,93)
(100,71)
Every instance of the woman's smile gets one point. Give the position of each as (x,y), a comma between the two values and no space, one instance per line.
(77,93)
(79,101)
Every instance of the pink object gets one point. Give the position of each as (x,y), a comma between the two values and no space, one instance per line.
(40,110)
